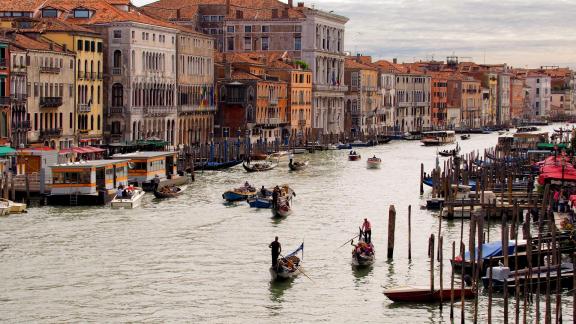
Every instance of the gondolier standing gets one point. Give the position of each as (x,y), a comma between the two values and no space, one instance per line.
(367,229)
(276,249)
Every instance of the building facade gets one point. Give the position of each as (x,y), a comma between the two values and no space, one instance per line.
(5,100)
(363,98)
(414,99)
(19,91)
(539,94)
(517,97)
(503,105)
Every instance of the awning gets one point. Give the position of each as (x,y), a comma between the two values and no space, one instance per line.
(82,150)
(6,150)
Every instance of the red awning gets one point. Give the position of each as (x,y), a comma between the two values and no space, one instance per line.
(82,150)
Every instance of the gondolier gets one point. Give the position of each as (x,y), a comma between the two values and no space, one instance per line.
(367,229)
(276,249)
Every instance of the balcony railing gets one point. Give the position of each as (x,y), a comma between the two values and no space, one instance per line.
(273,101)
(19,96)
(50,132)
(116,71)
(22,125)
(50,102)
(328,87)
(84,108)
(159,111)
(273,121)
(235,100)
(99,76)
(302,122)
(5,101)
(116,110)
(81,75)
(49,69)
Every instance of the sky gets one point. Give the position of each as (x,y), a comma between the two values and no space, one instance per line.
(521,33)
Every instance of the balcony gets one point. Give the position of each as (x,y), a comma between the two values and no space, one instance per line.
(81,75)
(273,101)
(19,97)
(273,121)
(235,100)
(302,123)
(116,71)
(50,132)
(159,111)
(369,89)
(49,69)
(116,110)
(3,63)
(328,87)
(50,102)
(99,76)
(84,108)
(5,101)
(22,125)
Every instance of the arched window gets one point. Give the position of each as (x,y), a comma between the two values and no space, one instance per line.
(117,59)
(117,95)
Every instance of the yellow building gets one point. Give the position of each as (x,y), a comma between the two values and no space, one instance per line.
(89,100)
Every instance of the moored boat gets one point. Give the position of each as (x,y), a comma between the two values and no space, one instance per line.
(288,266)
(298,165)
(128,201)
(465,137)
(420,294)
(258,156)
(259,167)
(169,192)
(283,208)
(373,163)
(4,208)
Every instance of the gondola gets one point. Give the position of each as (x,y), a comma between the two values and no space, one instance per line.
(448,153)
(214,166)
(163,193)
(288,266)
(283,208)
(385,140)
(465,137)
(426,295)
(297,166)
(363,254)
(259,167)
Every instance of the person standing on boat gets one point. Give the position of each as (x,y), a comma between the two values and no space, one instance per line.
(276,250)
(367,229)
(275,196)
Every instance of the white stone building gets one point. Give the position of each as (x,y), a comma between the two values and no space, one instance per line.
(539,94)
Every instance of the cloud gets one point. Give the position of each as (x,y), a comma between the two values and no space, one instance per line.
(517,32)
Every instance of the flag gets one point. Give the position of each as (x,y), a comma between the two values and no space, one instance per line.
(300,248)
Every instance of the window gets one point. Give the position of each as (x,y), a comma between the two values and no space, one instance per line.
(297,43)
(354,79)
(92,46)
(49,13)
(248,43)
(153,37)
(79,44)
(247,29)
(264,43)
(81,13)
(99,46)
(265,29)
(230,29)
(143,35)
(230,43)
(87,46)
(117,34)
(117,95)
(133,34)
(117,58)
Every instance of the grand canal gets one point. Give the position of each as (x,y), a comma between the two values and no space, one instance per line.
(197,259)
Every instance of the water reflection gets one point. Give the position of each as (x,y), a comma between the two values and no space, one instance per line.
(277,289)
(361,272)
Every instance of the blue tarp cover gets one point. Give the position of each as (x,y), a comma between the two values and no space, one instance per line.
(493,249)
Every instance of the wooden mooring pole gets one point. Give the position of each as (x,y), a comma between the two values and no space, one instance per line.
(391,229)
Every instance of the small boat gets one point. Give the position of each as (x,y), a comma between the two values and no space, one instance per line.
(288,266)
(260,202)
(527,129)
(412,136)
(465,137)
(299,151)
(421,294)
(238,194)
(283,209)
(128,202)
(169,192)
(363,254)
(278,155)
(332,147)
(217,165)
(4,208)
(342,146)
(434,203)
(448,153)
(298,165)
(502,275)
(14,207)
(359,143)
(374,163)
(354,157)
(385,140)
(259,167)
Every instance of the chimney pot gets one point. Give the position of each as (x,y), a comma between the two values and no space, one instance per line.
(300,4)
(290,3)
(395,60)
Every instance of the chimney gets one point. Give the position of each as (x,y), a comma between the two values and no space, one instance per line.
(227,7)
(239,14)
(290,3)
(274,13)
(358,57)
(178,14)
(300,4)
(395,60)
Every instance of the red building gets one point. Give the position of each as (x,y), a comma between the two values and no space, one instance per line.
(4,92)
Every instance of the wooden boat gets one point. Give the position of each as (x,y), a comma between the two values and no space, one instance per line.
(465,137)
(502,275)
(448,153)
(414,294)
(164,192)
(359,143)
(283,209)
(260,202)
(130,202)
(299,151)
(342,146)
(374,163)
(258,156)
(298,166)
(238,194)
(438,138)
(288,266)
(354,157)
(14,207)
(217,165)
(278,155)
(363,254)
(259,167)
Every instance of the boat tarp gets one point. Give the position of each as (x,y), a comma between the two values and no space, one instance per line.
(6,150)
(557,168)
(300,248)
(493,249)
(552,146)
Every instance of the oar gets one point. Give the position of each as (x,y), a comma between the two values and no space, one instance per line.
(302,272)
(348,241)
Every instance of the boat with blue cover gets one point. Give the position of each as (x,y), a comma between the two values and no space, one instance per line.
(430,183)
(211,165)
(260,202)
(239,194)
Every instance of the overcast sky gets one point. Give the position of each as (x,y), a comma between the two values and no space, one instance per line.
(522,33)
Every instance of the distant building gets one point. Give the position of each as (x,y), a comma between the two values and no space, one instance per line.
(362,98)
(19,92)
(5,100)
(539,94)
(517,99)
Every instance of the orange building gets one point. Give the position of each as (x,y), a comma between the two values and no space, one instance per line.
(439,102)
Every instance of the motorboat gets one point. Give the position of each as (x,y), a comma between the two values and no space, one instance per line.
(169,192)
(217,165)
(14,207)
(354,157)
(129,201)
(465,137)
(243,193)
(298,165)
(373,163)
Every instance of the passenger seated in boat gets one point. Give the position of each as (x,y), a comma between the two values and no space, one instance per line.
(263,191)
(120,191)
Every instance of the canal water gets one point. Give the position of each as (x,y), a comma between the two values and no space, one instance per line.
(196,258)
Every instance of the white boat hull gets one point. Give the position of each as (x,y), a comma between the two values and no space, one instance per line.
(285,275)
(129,203)
(373,165)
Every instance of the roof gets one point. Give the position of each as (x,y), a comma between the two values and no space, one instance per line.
(20,5)
(143,155)
(251,9)
(387,66)
(353,63)
(88,164)
(30,43)
(56,25)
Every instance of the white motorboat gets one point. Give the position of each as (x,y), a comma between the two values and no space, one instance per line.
(374,163)
(129,202)
(4,208)
(14,207)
